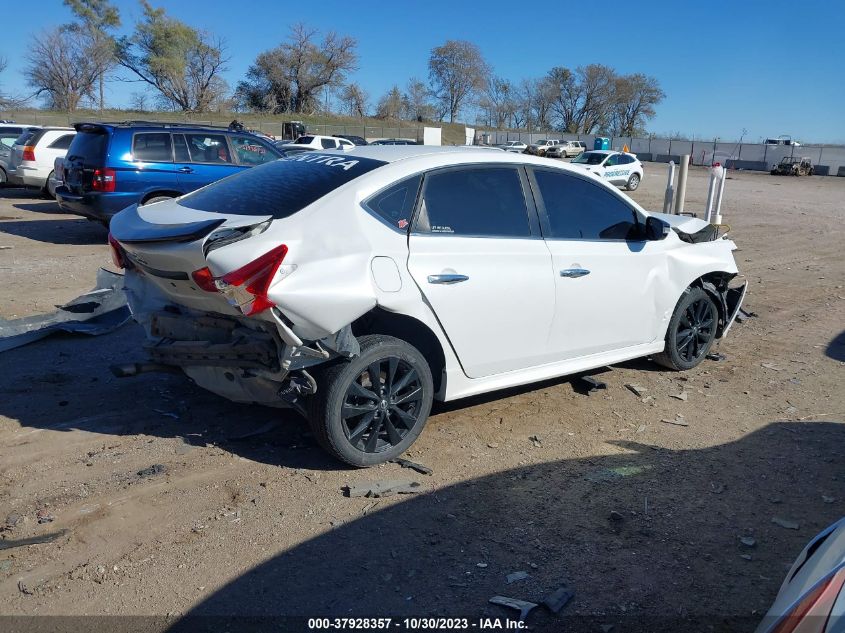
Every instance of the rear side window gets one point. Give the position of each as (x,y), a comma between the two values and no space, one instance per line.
(477,201)
(152,147)
(208,148)
(395,205)
(63,142)
(581,210)
(281,187)
(304,140)
(328,143)
(26,137)
(89,147)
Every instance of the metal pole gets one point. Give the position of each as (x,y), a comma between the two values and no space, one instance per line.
(708,207)
(682,185)
(670,190)
(717,217)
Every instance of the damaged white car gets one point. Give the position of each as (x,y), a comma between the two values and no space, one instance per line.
(357,287)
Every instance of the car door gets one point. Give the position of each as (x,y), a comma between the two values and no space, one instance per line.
(618,169)
(152,154)
(201,158)
(475,253)
(607,276)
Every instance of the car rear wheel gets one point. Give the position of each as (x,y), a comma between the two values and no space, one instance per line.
(45,190)
(633,182)
(370,409)
(691,331)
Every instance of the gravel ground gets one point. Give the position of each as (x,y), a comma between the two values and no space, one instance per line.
(639,517)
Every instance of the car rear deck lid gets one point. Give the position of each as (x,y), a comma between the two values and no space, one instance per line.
(130,228)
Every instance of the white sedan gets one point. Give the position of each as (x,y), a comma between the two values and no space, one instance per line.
(357,287)
(617,168)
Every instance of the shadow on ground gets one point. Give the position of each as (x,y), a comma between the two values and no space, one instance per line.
(447,552)
(836,348)
(70,230)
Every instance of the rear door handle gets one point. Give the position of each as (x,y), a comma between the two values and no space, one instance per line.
(446,279)
(574,272)
(185,170)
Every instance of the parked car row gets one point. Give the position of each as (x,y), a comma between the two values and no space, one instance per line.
(28,154)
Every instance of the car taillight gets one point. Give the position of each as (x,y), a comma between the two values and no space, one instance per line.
(254,278)
(204,279)
(811,613)
(29,152)
(105,180)
(116,252)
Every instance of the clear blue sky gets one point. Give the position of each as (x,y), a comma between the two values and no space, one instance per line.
(773,67)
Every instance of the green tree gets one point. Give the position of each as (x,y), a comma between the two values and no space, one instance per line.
(98,17)
(184,64)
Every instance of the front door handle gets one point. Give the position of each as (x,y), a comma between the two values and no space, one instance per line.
(185,170)
(446,279)
(574,272)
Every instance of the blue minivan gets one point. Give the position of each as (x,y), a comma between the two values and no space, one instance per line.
(110,166)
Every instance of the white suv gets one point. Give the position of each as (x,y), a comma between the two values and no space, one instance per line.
(540,147)
(357,288)
(34,153)
(315,141)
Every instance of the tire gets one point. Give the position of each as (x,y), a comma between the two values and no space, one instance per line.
(373,431)
(633,182)
(156,199)
(45,190)
(3,178)
(687,346)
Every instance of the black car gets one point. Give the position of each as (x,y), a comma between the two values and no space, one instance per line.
(394,141)
(356,140)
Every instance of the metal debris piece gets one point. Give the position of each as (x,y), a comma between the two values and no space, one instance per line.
(678,421)
(523,606)
(771,366)
(98,311)
(744,315)
(746,556)
(616,516)
(785,523)
(383,488)
(748,541)
(33,540)
(717,356)
(680,396)
(44,517)
(589,384)
(557,600)
(516,576)
(828,499)
(535,439)
(636,390)
(152,471)
(481,565)
(407,463)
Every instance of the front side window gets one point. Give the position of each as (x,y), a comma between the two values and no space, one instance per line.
(208,148)
(327,143)
(154,147)
(581,210)
(589,158)
(395,205)
(474,201)
(250,152)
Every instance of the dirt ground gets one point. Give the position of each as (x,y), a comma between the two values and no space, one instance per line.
(640,518)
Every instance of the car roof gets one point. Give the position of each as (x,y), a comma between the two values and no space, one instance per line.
(450,154)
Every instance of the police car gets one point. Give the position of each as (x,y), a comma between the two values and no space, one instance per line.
(617,168)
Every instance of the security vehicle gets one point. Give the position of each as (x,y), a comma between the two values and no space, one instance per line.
(33,155)
(617,168)
(812,596)
(110,166)
(358,287)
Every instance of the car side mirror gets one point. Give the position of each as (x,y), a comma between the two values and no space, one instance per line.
(656,229)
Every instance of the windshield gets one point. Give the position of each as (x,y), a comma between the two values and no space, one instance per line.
(279,188)
(589,158)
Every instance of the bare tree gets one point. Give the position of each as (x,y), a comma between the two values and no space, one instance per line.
(499,102)
(457,71)
(534,104)
(634,99)
(390,105)
(98,16)
(4,101)
(63,65)
(353,99)
(185,65)
(289,78)
(416,101)
(582,101)
(139,101)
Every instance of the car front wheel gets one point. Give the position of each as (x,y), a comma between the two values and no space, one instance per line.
(370,409)
(691,331)
(633,182)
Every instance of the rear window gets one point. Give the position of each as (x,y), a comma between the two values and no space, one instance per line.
(63,142)
(25,137)
(280,188)
(90,147)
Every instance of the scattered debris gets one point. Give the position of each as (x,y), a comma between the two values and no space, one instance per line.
(771,366)
(524,607)
(828,499)
(785,523)
(744,315)
(152,471)
(516,576)
(33,540)
(44,517)
(6,248)
(407,463)
(535,439)
(589,385)
(679,396)
(99,311)
(717,356)
(12,521)
(636,390)
(678,421)
(616,516)
(746,556)
(748,541)
(492,445)
(558,599)
(24,588)
(481,565)
(261,430)
(383,488)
